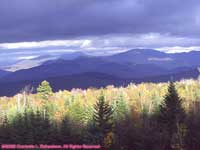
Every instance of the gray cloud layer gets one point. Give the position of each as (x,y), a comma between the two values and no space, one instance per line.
(35,20)
(97,26)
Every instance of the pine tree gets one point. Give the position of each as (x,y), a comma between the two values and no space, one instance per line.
(172,115)
(5,132)
(27,127)
(21,129)
(103,116)
(65,131)
(44,90)
(18,129)
(121,108)
(54,137)
(193,131)
(42,128)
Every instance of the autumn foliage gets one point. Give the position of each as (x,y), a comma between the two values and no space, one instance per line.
(144,116)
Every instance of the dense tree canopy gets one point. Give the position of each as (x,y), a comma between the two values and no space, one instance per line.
(138,117)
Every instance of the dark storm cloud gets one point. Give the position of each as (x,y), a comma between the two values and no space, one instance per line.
(36,20)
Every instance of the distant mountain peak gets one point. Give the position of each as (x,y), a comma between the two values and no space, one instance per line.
(141,51)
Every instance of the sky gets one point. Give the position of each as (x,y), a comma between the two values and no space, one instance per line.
(30,28)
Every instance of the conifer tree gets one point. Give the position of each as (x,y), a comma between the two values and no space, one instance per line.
(172,115)
(18,129)
(121,108)
(54,137)
(5,131)
(65,131)
(103,116)
(47,129)
(193,131)
(44,90)
(42,128)
(27,127)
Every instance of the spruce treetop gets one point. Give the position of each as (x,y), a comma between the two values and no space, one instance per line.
(44,89)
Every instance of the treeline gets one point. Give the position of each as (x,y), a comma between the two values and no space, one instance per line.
(117,124)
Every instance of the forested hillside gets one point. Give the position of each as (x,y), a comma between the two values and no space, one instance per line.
(146,116)
(63,71)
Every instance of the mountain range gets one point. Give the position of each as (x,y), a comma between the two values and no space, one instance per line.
(79,70)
